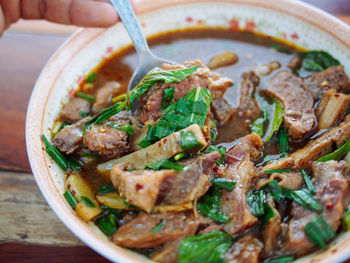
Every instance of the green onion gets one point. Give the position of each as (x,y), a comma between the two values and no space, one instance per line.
(278,171)
(55,154)
(168,97)
(87,201)
(90,155)
(58,126)
(85,97)
(276,191)
(126,128)
(308,182)
(72,201)
(74,164)
(165,164)
(304,198)
(112,211)
(319,232)
(180,156)
(157,227)
(83,114)
(336,155)
(189,141)
(221,150)
(106,225)
(148,140)
(105,189)
(256,199)
(269,213)
(129,205)
(91,77)
(274,157)
(283,141)
(284,259)
(224,183)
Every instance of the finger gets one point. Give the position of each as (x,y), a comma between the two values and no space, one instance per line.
(2,21)
(85,13)
(11,11)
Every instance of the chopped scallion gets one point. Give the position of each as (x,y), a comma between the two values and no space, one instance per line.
(336,155)
(85,96)
(283,141)
(157,227)
(165,164)
(278,171)
(55,154)
(106,189)
(308,182)
(319,232)
(106,225)
(87,201)
(70,198)
(304,198)
(224,183)
(90,78)
(126,128)
(276,191)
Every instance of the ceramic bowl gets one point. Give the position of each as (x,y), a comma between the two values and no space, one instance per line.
(289,20)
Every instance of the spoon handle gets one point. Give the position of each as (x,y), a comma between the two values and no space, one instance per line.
(127,15)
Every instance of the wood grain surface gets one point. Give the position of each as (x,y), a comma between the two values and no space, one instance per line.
(29,230)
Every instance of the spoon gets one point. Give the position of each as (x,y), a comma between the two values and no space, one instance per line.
(147,60)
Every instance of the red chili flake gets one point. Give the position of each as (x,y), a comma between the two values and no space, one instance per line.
(159,144)
(165,140)
(336,95)
(138,187)
(80,79)
(250,26)
(294,36)
(128,103)
(329,206)
(189,19)
(216,169)
(73,192)
(200,21)
(72,92)
(109,50)
(234,24)
(284,35)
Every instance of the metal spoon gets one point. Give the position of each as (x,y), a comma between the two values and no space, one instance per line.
(147,60)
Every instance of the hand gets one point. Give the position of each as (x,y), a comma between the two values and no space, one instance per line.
(86,13)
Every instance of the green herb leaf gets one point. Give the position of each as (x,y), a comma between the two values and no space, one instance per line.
(221,150)
(257,200)
(126,128)
(210,205)
(87,201)
(205,248)
(91,77)
(283,141)
(284,259)
(276,191)
(189,141)
(224,183)
(157,227)
(188,110)
(106,225)
(319,232)
(70,198)
(308,182)
(275,120)
(112,211)
(83,114)
(168,96)
(85,96)
(130,205)
(105,189)
(55,154)
(181,156)
(336,155)
(90,155)
(258,125)
(74,165)
(314,61)
(305,199)
(278,171)
(165,164)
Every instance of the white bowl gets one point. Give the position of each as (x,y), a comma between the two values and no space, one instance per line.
(290,20)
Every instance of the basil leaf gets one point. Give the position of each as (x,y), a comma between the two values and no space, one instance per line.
(258,125)
(276,191)
(189,141)
(336,155)
(205,248)
(168,96)
(275,119)
(221,150)
(126,128)
(314,61)
(224,183)
(305,199)
(107,225)
(165,164)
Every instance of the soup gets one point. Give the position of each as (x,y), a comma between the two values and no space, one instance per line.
(239,152)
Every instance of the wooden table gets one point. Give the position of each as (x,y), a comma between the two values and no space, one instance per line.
(29,230)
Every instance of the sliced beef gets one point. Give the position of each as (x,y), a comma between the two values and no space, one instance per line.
(332,191)
(169,253)
(247,111)
(74,110)
(107,141)
(105,95)
(292,180)
(332,108)
(138,233)
(315,149)
(222,110)
(240,169)
(245,250)
(272,230)
(331,78)
(70,138)
(151,101)
(297,102)
(146,188)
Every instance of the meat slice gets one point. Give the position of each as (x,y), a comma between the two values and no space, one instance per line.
(332,191)
(151,101)
(247,111)
(107,141)
(331,78)
(105,95)
(315,149)
(332,108)
(292,180)
(138,232)
(169,253)
(245,250)
(297,102)
(222,110)
(240,169)
(272,230)
(146,188)
(70,138)
(74,110)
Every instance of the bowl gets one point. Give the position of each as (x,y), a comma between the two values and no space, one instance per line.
(289,20)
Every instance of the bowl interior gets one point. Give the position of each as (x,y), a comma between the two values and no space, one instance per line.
(291,21)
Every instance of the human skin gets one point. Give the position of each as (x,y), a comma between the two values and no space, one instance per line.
(85,13)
